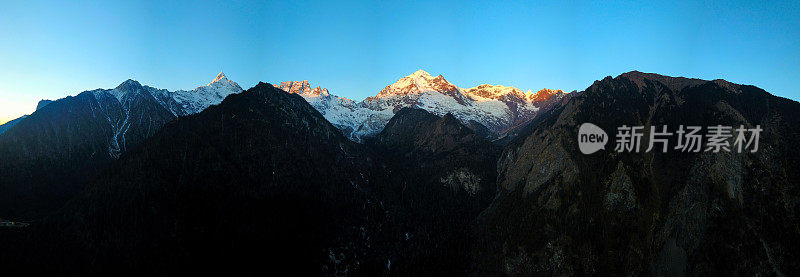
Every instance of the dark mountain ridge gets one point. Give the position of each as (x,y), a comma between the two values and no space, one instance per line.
(262,182)
(650,212)
(438,176)
(47,157)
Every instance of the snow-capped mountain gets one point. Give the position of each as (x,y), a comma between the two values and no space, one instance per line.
(134,100)
(131,111)
(498,108)
(521,106)
(345,114)
(181,102)
(200,98)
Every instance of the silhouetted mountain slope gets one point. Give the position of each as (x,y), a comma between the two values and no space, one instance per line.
(559,211)
(262,183)
(5,126)
(259,183)
(42,103)
(546,109)
(51,154)
(438,176)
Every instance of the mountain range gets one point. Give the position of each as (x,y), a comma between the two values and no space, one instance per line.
(498,108)
(424,178)
(658,213)
(76,136)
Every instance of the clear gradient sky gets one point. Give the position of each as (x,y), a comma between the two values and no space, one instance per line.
(51,49)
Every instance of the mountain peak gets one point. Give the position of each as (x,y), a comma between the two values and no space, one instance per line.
(420,73)
(418,82)
(222,81)
(220,77)
(544,94)
(129,85)
(42,103)
(302,87)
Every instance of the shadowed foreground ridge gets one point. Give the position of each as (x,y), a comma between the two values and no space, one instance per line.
(559,211)
(210,190)
(262,183)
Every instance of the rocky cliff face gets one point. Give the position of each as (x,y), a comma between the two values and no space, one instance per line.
(559,211)
(302,87)
(43,103)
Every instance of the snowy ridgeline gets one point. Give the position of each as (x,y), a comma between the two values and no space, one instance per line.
(131,107)
(181,102)
(496,107)
(134,108)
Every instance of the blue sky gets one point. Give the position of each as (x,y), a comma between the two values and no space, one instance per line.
(51,49)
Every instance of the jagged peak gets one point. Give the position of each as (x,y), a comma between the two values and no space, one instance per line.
(222,81)
(544,94)
(302,87)
(42,103)
(549,91)
(220,78)
(418,82)
(493,91)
